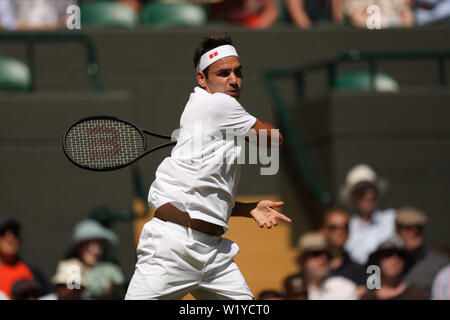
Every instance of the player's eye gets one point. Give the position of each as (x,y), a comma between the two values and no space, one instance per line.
(224,74)
(238,73)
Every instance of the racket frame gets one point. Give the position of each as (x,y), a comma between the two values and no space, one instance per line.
(108,117)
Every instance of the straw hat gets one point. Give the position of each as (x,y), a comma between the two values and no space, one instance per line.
(410,216)
(361,175)
(312,241)
(69,272)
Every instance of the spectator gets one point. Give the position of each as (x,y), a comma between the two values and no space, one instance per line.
(41,14)
(12,267)
(391,258)
(369,226)
(295,288)
(392,14)
(440,289)
(305,13)
(136,5)
(93,245)
(336,231)
(255,14)
(69,281)
(429,11)
(314,261)
(7,18)
(25,290)
(425,263)
(3,296)
(270,295)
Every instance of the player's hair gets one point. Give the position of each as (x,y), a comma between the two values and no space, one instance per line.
(209,43)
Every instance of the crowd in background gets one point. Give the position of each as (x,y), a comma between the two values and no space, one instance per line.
(335,262)
(89,270)
(51,14)
(368,254)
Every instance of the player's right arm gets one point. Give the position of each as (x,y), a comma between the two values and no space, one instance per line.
(262,127)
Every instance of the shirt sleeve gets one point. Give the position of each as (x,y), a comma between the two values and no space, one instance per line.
(228,114)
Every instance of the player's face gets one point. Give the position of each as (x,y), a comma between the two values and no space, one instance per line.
(224,76)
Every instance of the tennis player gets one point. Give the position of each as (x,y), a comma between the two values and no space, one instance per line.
(181,250)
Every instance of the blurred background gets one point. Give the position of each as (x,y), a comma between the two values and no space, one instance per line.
(346,85)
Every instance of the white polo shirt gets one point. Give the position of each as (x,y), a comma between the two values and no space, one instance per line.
(364,238)
(201,175)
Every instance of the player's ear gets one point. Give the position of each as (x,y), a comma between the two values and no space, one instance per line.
(201,79)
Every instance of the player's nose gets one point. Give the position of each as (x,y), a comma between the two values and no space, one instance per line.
(233,79)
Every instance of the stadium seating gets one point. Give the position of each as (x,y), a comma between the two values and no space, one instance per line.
(14,75)
(360,81)
(173,14)
(108,14)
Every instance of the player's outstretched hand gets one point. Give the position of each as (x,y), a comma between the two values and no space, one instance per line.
(265,214)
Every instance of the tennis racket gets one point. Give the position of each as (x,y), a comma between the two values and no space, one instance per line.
(104,143)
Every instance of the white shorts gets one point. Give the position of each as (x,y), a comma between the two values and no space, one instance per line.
(174,260)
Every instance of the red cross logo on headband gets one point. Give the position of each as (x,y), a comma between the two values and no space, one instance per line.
(212,55)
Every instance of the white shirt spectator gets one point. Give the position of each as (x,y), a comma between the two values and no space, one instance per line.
(441,285)
(3,296)
(334,288)
(364,238)
(438,10)
(202,174)
(7,18)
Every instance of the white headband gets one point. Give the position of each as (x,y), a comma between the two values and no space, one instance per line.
(215,54)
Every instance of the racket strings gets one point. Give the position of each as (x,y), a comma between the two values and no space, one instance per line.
(103,143)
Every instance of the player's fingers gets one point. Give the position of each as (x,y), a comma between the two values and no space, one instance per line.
(276,204)
(274,222)
(283,217)
(268,225)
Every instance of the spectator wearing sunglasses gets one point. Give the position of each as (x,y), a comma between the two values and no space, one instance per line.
(12,267)
(336,230)
(410,225)
(314,260)
(392,259)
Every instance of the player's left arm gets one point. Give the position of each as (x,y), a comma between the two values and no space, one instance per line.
(262,212)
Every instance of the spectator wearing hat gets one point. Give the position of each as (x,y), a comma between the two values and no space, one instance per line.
(369,226)
(336,230)
(94,245)
(69,281)
(392,260)
(314,260)
(440,289)
(12,267)
(410,225)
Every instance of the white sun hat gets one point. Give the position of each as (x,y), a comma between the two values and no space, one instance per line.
(361,175)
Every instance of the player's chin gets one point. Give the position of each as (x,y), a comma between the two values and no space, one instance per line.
(234,93)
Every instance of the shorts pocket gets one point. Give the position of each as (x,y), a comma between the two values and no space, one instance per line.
(150,241)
